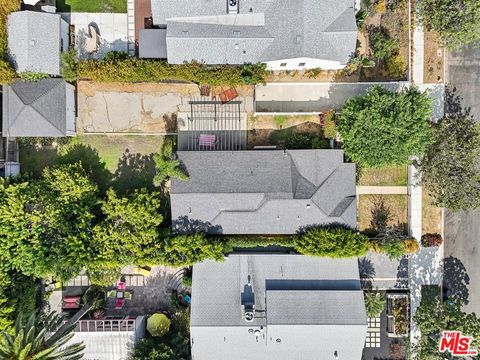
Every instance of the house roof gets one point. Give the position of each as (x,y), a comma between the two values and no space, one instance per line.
(319,298)
(34,41)
(35,108)
(261,31)
(263,192)
(152,44)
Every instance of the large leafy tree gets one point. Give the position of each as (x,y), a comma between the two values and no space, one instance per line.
(457,21)
(449,168)
(386,128)
(333,241)
(40,337)
(434,316)
(129,232)
(46,225)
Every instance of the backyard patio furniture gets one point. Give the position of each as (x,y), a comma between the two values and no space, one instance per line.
(120,294)
(127,295)
(92,42)
(206,140)
(71,302)
(121,285)
(119,304)
(142,271)
(112,293)
(158,324)
(228,95)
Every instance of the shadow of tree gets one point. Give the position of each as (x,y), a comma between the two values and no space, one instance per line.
(185,225)
(367,272)
(455,279)
(91,163)
(453,103)
(134,171)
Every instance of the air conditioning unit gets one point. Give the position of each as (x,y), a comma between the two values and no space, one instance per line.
(232,6)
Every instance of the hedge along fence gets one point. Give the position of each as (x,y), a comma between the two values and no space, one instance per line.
(7,73)
(144,70)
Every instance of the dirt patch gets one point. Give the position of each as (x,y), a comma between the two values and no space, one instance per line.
(280,122)
(396,210)
(434,57)
(431,215)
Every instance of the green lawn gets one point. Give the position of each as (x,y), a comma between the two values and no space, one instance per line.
(112,148)
(113,6)
(386,176)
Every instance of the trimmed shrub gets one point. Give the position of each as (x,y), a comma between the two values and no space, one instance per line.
(393,248)
(245,242)
(69,62)
(430,240)
(329,128)
(32,76)
(410,246)
(140,70)
(305,141)
(383,46)
(7,73)
(334,242)
(396,66)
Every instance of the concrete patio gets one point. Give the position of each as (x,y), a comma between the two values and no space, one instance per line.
(112,28)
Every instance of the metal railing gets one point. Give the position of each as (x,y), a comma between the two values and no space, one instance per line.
(120,325)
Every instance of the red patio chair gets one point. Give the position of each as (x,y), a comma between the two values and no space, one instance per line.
(71,302)
(119,304)
(121,285)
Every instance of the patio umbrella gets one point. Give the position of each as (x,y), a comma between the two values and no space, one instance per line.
(31,2)
(158,324)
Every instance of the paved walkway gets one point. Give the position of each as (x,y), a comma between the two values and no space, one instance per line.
(418,55)
(381,190)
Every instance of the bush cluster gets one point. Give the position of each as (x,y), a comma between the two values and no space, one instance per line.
(305,141)
(118,69)
(430,240)
(7,73)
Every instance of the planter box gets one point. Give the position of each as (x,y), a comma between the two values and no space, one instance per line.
(398,320)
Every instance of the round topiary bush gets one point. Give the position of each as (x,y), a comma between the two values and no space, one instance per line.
(430,240)
(334,242)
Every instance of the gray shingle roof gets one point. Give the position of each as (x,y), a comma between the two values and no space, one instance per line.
(35,108)
(263,192)
(311,304)
(201,30)
(34,41)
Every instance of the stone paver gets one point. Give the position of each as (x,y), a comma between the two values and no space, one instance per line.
(113,29)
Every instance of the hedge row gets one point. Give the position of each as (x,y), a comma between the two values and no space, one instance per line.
(7,74)
(141,70)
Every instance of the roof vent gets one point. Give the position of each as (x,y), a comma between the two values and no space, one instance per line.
(308,206)
(237,46)
(232,6)
(32,42)
(249,316)
(185,32)
(236,32)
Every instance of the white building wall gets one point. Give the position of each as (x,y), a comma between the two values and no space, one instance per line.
(303,63)
(64,35)
(70,109)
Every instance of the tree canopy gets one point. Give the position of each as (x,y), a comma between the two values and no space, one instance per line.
(384,128)
(457,21)
(449,168)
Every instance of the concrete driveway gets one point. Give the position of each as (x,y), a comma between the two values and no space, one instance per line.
(147,108)
(462,229)
(319,97)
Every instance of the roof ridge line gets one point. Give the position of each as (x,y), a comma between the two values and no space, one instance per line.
(41,97)
(261,204)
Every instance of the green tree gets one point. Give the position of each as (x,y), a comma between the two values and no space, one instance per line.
(434,316)
(46,225)
(384,128)
(449,168)
(165,166)
(334,242)
(185,250)
(374,303)
(457,21)
(129,232)
(69,61)
(40,337)
(357,63)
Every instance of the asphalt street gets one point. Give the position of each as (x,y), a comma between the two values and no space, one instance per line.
(462,230)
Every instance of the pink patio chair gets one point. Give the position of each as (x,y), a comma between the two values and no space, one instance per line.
(121,285)
(119,304)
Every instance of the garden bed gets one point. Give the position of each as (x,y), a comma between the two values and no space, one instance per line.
(431,215)
(393,208)
(397,315)
(434,58)
(394,21)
